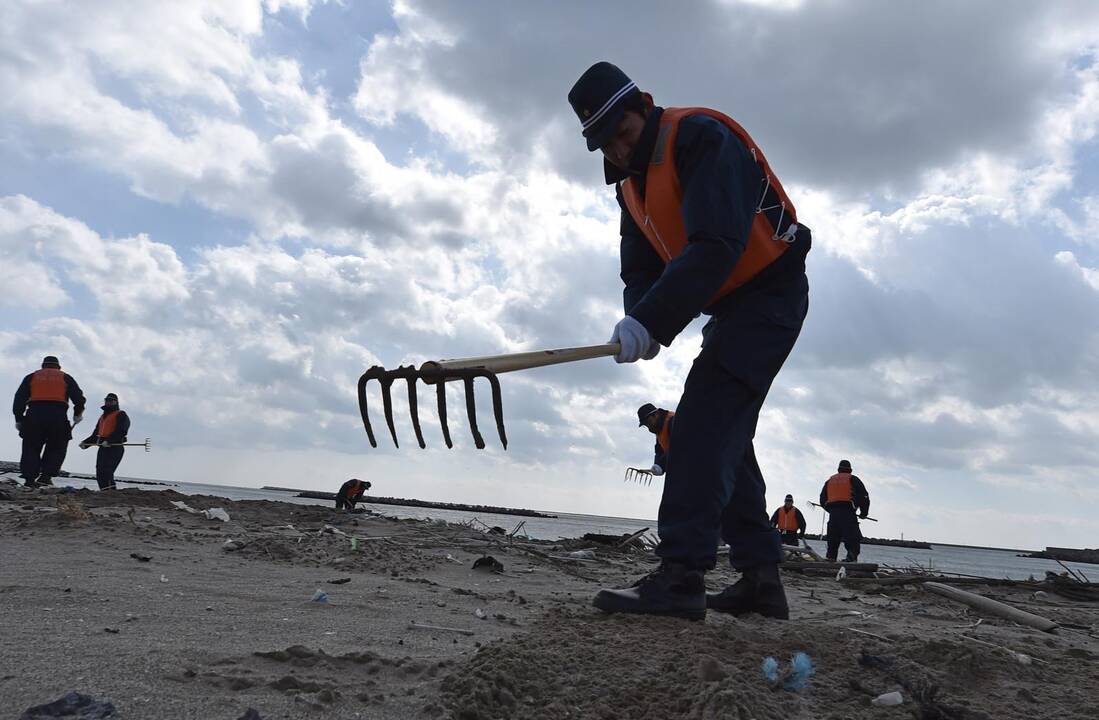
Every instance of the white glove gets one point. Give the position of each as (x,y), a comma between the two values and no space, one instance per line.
(84,446)
(635,340)
(18,426)
(104,443)
(656,470)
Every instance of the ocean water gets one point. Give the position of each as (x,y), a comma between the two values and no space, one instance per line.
(983,562)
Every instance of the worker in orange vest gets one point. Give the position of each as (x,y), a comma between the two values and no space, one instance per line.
(41,408)
(659,422)
(789,521)
(108,435)
(706,227)
(841,495)
(350,493)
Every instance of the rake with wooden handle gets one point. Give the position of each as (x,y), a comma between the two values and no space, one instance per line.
(440,372)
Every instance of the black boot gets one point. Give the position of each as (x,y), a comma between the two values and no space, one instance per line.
(759,590)
(45,481)
(672,589)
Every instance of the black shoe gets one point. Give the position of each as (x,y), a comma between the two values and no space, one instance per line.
(44,481)
(28,483)
(850,559)
(672,589)
(759,590)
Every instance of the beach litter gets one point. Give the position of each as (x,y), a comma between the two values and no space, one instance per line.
(794,676)
(480,614)
(438,628)
(180,505)
(73,706)
(888,699)
(140,558)
(320,596)
(582,554)
(216,514)
(487,563)
(250,714)
(339,581)
(163,578)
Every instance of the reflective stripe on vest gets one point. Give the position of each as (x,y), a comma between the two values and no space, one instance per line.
(787,520)
(664,437)
(48,384)
(838,488)
(659,215)
(106,425)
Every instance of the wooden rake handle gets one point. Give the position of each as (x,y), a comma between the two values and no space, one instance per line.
(525,360)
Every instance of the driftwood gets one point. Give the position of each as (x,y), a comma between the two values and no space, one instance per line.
(833,566)
(438,628)
(992,607)
(631,538)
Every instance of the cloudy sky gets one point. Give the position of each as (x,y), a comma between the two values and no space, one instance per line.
(226,211)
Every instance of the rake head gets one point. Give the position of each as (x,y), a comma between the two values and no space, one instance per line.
(638,476)
(431,374)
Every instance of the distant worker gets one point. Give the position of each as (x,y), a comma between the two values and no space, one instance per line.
(659,422)
(790,522)
(841,495)
(41,409)
(350,493)
(109,434)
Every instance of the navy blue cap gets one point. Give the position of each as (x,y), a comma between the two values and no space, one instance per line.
(598,99)
(643,412)
(51,361)
(845,466)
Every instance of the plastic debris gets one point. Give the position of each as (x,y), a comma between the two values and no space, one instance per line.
(794,676)
(488,563)
(354,544)
(320,596)
(231,545)
(841,573)
(140,558)
(180,505)
(163,578)
(888,699)
(481,615)
(339,581)
(332,530)
(73,705)
(216,514)
(582,554)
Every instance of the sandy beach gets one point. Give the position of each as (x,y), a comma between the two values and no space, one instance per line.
(219,619)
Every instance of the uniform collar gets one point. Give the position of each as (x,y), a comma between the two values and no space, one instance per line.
(641,154)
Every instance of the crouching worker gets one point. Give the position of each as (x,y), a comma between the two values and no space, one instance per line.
(659,422)
(350,493)
(109,434)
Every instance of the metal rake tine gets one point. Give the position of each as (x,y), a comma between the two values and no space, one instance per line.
(387,405)
(440,394)
(471,411)
(413,409)
(372,373)
(497,406)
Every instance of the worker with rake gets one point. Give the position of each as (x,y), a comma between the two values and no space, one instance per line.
(108,435)
(706,227)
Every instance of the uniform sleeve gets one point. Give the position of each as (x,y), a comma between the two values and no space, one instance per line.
(824,494)
(22,395)
(660,457)
(719,182)
(92,439)
(641,266)
(801,521)
(121,428)
(859,495)
(76,395)
(774,519)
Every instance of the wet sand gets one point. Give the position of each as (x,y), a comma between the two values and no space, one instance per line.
(203,629)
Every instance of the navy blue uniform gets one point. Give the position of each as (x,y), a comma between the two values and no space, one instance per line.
(107,459)
(843,525)
(790,537)
(45,429)
(714,485)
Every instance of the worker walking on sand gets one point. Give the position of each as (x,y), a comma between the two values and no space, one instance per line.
(790,523)
(350,493)
(706,228)
(41,407)
(109,433)
(659,422)
(841,495)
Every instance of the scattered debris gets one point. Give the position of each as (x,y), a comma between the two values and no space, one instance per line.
(795,676)
(139,557)
(112,631)
(339,581)
(72,705)
(888,699)
(993,607)
(480,614)
(216,514)
(320,596)
(438,628)
(487,563)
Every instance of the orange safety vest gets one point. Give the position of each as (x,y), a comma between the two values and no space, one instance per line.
(838,488)
(353,488)
(659,215)
(106,425)
(664,437)
(48,384)
(787,519)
